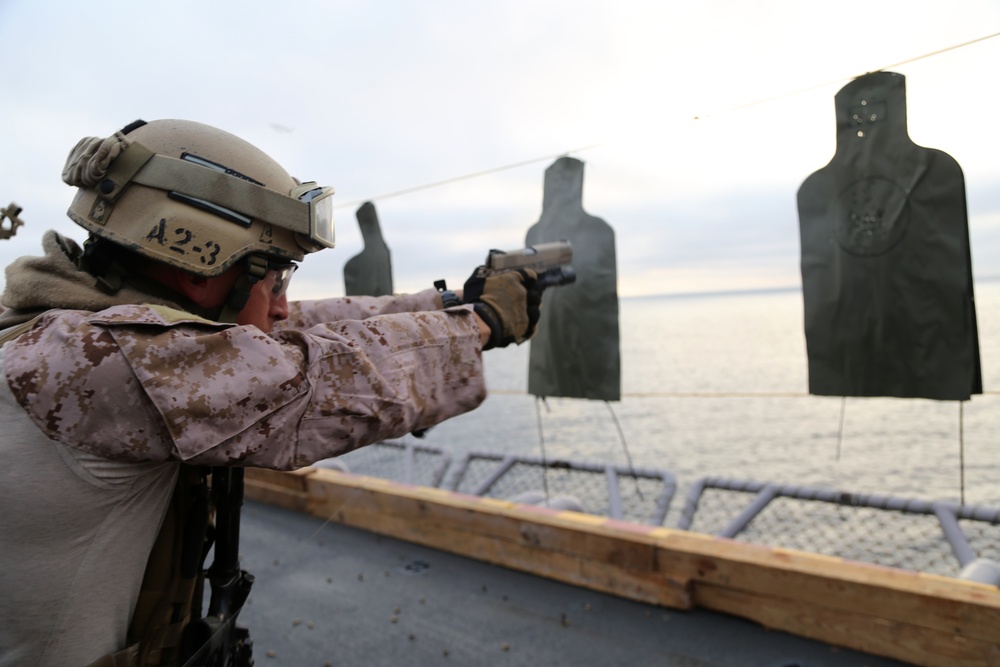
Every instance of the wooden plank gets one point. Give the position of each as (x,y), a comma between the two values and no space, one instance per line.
(295,480)
(508,541)
(937,603)
(432,510)
(886,611)
(287,490)
(855,630)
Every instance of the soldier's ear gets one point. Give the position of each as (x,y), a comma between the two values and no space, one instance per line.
(188,284)
(207,292)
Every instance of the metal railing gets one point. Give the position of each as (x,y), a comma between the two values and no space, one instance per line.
(940,537)
(888,530)
(401,461)
(642,495)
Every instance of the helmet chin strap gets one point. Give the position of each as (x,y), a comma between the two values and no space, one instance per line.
(111,275)
(255,271)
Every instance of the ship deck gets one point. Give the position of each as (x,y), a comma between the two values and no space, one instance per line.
(327,594)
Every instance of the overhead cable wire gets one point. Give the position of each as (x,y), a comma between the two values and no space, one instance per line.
(800,91)
(477,174)
(522,163)
(944,50)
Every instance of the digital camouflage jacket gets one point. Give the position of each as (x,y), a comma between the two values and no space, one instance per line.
(104,396)
(150,383)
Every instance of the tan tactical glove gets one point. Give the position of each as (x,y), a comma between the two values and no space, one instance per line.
(508,302)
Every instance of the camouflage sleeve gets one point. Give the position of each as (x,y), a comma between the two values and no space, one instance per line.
(130,384)
(304,314)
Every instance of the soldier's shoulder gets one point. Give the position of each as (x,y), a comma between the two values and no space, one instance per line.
(149,314)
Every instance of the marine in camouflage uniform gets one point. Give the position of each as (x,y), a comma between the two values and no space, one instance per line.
(110,391)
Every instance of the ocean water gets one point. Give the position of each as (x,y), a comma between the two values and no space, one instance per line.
(717,385)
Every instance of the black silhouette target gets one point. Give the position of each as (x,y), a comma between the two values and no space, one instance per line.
(886,264)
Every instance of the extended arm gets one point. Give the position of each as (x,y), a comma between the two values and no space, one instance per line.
(223,395)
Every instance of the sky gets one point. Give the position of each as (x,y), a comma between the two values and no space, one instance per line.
(697,121)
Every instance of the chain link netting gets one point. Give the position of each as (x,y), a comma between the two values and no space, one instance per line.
(389,460)
(641,496)
(589,489)
(717,508)
(890,538)
(984,538)
(882,537)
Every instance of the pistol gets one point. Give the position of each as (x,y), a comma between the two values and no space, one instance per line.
(551,261)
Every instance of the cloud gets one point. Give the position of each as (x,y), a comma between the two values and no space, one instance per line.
(374,99)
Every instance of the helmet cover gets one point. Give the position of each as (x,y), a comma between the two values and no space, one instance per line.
(123,200)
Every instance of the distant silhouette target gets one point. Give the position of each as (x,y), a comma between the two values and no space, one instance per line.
(576,352)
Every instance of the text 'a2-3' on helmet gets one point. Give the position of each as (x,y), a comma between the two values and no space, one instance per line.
(195,197)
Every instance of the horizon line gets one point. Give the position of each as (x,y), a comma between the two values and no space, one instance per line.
(754,290)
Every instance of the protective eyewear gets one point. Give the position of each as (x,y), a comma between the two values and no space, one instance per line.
(282,275)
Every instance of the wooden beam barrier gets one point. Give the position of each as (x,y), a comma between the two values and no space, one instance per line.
(918,618)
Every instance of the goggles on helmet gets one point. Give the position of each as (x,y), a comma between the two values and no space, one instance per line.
(307,210)
(320,211)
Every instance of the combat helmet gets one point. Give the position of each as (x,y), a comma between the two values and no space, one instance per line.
(195,197)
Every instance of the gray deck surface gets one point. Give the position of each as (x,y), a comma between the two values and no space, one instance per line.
(330,595)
